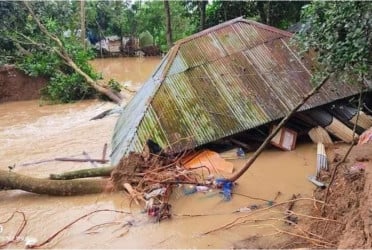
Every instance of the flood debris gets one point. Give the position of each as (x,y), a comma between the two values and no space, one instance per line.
(313,179)
(150,178)
(320,135)
(209,159)
(290,217)
(285,139)
(321,165)
(321,159)
(54,235)
(16,236)
(366,137)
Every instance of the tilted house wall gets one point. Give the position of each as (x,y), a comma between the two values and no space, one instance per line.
(224,80)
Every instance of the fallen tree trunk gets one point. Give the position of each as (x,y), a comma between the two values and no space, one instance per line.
(61,52)
(83,173)
(11,180)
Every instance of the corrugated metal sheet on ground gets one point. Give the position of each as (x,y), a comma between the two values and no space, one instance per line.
(221,81)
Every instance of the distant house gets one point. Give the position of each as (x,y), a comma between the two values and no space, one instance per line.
(224,80)
(127,46)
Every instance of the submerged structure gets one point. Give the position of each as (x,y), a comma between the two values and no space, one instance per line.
(224,80)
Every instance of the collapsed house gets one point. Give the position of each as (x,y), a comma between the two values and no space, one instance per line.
(222,81)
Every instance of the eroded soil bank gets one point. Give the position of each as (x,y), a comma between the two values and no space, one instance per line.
(16,85)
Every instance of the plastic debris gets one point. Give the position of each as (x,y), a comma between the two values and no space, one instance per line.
(189,189)
(365,137)
(312,178)
(358,167)
(226,187)
(149,203)
(270,203)
(154,193)
(30,241)
(153,212)
(321,159)
(202,188)
(244,209)
(248,209)
(209,159)
(240,152)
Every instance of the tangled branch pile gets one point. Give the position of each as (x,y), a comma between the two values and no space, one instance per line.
(149,179)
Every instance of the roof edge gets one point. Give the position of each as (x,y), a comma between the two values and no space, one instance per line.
(229,22)
(268,27)
(174,50)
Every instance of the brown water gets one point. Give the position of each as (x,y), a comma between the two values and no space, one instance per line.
(30,133)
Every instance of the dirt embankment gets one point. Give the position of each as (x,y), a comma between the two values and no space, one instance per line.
(346,222)
(16,85)
(349,202)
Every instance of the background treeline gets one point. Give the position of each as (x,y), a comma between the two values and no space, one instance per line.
(339,31)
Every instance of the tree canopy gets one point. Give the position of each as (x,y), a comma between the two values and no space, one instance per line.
(340,33)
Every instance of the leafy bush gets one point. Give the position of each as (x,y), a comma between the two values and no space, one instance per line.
(340,33)
(64,85)
(67,88)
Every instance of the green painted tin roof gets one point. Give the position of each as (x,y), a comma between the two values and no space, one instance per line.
(224,80)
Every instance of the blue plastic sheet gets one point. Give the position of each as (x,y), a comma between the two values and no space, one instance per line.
(226,187)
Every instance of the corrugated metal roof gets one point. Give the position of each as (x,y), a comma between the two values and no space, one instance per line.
(224,80)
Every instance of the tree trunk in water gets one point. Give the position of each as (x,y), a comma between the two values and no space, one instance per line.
(168,24)
(61,52)
(83,173)
(11,180)
(252,159)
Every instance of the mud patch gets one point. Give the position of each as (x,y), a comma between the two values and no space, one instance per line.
(16,85)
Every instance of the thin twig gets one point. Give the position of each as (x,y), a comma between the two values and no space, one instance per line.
(73,222)
(257,211)
(20,229)
(100,226)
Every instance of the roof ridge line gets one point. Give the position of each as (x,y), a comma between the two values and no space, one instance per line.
(229,22)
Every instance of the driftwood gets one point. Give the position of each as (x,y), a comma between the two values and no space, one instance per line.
(11,180)
(83,173)
(80,160)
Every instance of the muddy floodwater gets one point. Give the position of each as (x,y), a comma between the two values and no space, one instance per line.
(30,133)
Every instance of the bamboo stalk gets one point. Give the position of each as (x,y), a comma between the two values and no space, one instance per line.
(319,134)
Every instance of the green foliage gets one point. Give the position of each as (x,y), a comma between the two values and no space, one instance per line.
(25,45)
(220,11)
(150,17)
(146,39)
(340,33)
(38,57)
(114,85)
(279,14)
(67,88)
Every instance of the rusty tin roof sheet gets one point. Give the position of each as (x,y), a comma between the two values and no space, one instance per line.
(224,80)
